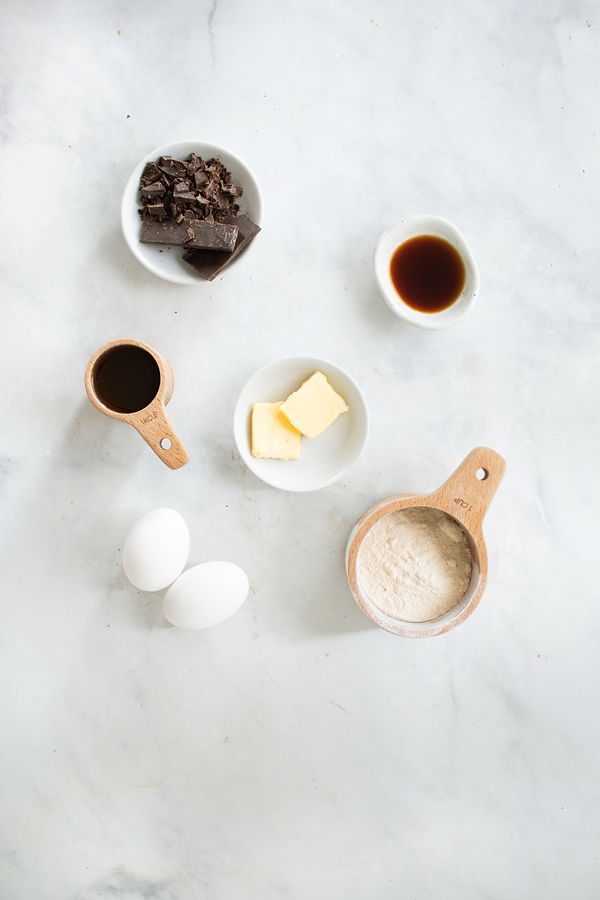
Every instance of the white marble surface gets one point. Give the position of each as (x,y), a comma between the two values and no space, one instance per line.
(297,752)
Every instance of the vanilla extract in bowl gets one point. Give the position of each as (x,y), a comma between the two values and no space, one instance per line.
(428,273)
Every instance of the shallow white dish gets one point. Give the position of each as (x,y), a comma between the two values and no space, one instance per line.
(322,460)
(165,261)
(413,227)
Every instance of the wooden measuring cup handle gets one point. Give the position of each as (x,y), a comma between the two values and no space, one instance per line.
(154,426)
(470,489)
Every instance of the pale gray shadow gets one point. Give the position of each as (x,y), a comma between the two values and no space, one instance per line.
(331,609)
(363,291)
(113,251)
(83,517)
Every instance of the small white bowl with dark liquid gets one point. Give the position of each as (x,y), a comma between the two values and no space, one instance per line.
(425,272)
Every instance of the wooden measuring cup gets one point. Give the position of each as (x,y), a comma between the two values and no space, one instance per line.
(465,496)
(132,382)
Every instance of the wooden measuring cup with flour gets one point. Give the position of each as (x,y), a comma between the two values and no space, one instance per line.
(417,564)
(132,382)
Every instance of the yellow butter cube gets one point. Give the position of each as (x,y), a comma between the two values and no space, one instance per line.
(272,435)
(314,406)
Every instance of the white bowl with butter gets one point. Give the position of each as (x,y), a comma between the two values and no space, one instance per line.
(323,459)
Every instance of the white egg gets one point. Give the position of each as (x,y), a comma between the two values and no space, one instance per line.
(156,550)
(206,595)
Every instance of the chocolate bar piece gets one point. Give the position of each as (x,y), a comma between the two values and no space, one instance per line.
(156,209)
(210,263)
(156,189)
(173,168)
(184,197)
(194,163)
(151,173)
(233,189)
(196,234)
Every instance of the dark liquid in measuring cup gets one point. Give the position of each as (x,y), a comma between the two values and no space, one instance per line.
(428,273)
(126,378)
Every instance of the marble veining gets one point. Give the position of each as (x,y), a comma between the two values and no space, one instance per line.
(296,751)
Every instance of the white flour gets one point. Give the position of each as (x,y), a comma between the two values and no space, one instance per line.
(415,564)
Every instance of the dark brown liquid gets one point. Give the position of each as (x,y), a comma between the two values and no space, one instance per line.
(126,378)
(428,273)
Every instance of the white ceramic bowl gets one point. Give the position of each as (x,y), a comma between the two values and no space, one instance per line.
(165,261)
(322,460)
(410,228)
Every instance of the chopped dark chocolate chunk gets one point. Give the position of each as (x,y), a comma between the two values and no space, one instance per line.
(215,165)
(151,173)
(155,189)
(222,214)
(169,179)
(223,200)
(172,168)
(233,189)
(184,197)
(194,164)
(210,263)
(196,234)
(156,209)
(211,189)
